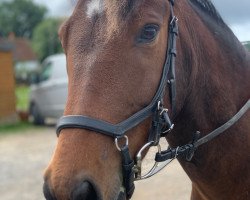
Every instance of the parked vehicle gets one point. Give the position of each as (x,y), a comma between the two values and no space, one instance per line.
(49,91)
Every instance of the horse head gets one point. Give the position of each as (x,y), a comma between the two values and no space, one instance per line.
(115,54)
(120,59)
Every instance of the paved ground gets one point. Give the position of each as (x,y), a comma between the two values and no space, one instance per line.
(23,157)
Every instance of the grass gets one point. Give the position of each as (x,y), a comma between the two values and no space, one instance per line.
(22,104)
(15,128)
(22,95)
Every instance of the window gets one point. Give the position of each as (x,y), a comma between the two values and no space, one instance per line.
(46,71)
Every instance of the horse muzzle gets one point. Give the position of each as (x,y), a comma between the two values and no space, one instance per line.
(82,191)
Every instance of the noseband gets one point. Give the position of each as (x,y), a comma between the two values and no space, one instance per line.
(160,126)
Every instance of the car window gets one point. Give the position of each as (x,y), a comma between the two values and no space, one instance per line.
(46,71)
(59,68)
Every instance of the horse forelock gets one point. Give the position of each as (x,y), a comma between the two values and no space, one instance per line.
(117,13)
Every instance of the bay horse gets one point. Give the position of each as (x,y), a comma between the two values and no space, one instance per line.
(128,61)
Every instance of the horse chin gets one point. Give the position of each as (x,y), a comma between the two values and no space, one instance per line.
(117,193)
(121,196)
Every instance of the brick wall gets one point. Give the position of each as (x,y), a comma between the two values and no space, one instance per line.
(7,87)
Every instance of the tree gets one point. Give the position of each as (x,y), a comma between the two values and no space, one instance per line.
(45,39)
(247,45)
(20,17)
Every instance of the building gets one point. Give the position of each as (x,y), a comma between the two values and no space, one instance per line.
(25,60)
(7,85)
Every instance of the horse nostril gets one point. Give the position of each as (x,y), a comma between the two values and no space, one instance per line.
(47,193)
(85,191)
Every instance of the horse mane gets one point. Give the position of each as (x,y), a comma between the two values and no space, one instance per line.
(119,13)
(207,7)
(223,34)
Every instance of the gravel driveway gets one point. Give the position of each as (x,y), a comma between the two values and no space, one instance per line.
(23,158)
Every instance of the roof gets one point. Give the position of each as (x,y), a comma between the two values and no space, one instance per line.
(21,48)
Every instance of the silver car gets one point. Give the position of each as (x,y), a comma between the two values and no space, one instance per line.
(48,94)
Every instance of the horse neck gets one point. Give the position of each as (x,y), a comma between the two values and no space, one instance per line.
(217,87)
(212,76)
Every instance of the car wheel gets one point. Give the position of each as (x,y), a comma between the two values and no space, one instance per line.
(35,116)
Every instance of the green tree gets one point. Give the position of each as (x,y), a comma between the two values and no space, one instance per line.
(20,17)
(247,45)
(45,40)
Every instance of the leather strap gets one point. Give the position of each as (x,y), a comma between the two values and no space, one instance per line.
(173,33)
(128,173)
(118,130)
(100,126)
(188,150)
(224,127)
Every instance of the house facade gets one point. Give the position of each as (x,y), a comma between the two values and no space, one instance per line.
(25,60)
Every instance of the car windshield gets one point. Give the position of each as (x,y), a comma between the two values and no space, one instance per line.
(46,71)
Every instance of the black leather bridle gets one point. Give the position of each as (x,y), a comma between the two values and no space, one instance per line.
(161,123)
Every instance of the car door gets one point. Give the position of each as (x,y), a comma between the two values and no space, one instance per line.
(57,93)
(42,89)
(49,95)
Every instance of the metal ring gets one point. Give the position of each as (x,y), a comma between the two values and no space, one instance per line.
(159,105)
(164,110)
(170,129)
(174,19)
(176,152)
(117,142)
(154,170)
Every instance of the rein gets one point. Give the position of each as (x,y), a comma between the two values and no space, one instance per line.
(188,150)
(161,123)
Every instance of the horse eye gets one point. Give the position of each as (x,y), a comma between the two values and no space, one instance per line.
(148,33)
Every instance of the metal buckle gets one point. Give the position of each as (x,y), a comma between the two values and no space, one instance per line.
(174,19)
(154,170)
(162,110)
(159,105)
(170,129)
(117,142)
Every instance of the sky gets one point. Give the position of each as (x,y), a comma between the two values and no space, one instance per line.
(235,13)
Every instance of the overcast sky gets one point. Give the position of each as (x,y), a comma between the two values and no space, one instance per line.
(235,13)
